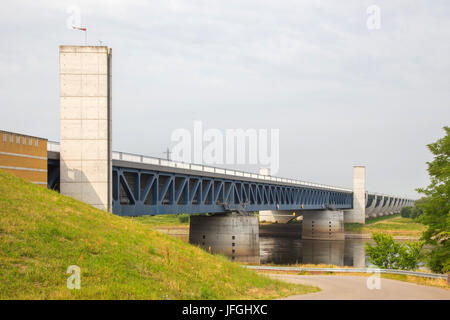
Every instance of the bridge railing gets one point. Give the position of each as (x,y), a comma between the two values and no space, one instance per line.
(203,168)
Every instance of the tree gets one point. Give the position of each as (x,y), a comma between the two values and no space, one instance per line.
(412,212)
(385,251)
(436,205)
(406,212)
(410,255)
(388,254)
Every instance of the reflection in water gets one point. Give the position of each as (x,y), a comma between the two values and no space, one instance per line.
(290,250)
(278,250)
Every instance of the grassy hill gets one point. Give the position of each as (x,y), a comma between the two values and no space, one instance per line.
(43,232)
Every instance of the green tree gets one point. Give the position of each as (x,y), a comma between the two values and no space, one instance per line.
(384,253)
(406,212)
(436,205)
(388,254)
(410,255)
(415,213)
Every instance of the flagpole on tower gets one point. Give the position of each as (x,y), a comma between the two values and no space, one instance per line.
(85,33)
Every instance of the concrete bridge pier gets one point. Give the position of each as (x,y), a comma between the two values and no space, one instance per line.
(323,225)
(378,206)
(235,236)
(370,211)
(385,206)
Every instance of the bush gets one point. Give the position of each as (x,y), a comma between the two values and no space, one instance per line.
(410,255)
(439,260)
(183,218)
(415,212)
(411,212)
(388,254)
(406,212)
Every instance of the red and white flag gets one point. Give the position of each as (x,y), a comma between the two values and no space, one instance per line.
(79,28)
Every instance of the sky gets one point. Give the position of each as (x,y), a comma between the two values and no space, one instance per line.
(340,93)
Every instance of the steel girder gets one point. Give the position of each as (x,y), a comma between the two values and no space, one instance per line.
(147,192)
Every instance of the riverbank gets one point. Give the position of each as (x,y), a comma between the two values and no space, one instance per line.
(400,228)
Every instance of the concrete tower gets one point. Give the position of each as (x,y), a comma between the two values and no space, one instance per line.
(358,213)
(85,112)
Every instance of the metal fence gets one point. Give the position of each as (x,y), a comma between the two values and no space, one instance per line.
(352,270)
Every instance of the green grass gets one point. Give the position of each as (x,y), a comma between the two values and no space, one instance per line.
(394,225)
(377,219)
(165,220)
(43,232)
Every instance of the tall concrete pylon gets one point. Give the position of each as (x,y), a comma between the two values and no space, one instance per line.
(358,213)
(85,124)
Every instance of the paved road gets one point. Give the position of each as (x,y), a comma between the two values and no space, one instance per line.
(355,288)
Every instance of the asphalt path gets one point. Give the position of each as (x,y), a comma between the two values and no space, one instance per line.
(336,287)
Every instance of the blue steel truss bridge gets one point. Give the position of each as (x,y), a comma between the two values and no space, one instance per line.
(144,185)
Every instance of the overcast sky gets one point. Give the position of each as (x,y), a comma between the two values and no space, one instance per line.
(340,93)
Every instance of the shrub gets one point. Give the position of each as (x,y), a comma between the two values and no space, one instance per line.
(410,255)
(183,218)
(388,254)
(406,212)
(411,212)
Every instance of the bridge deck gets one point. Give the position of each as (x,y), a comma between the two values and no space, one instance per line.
(144,185)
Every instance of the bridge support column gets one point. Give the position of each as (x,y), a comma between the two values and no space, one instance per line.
(234,236)
(279,216)
(371,209)
(358,213)
(323,225)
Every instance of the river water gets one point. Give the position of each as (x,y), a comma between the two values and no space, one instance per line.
(279,249)
(283,250)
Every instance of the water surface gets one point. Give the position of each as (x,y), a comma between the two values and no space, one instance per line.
(283,250)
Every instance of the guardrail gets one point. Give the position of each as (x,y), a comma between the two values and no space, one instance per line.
(124,156)
(197,167)
(352,270)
